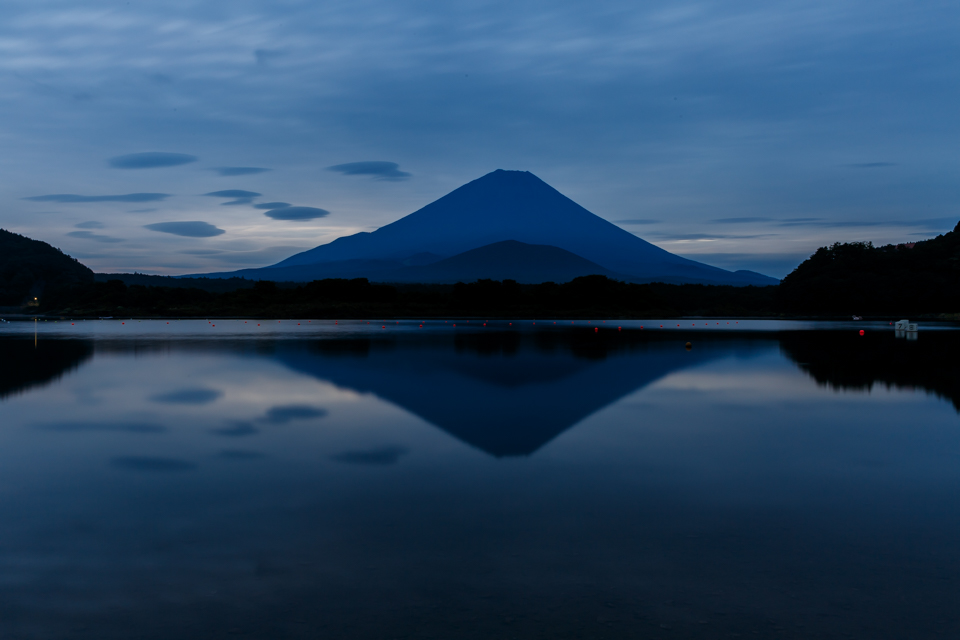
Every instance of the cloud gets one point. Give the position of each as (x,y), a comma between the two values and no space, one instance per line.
(264,56)
(378,169)
(96,237)
(232,193)
(240,454)
(142,210)
(192,229)
(194,396)
(271,205)
(240,171)
(150,160)
(283,415)
(297,213)
(237,430)
(80,427)
(93,224)
(380,456)
(236,202)
(738,220)
(148,463)
(870,165)
(74,198)
(947,222)
(711,236)
(638,221)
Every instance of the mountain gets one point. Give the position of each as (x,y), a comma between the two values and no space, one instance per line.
(31,268)
(500,206)
(896,279)
(507,260)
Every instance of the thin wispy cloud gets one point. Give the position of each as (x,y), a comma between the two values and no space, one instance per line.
(377,169)
(297,213)
(92,224)
(240,196)
(740,220)
(638,221)
(378,456)
(710,236)
(190,229)
(72,198)
(240,171)
(289,413)
(870,165)
(947,222)
(96,237)
(150,160)
(271,205)
(189,396)
(266,56)
(232,193)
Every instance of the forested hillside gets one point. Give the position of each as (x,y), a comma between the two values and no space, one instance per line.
(858,278)
(31,268)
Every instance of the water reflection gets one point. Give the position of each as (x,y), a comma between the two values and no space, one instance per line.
(27,365)
(505,393)
(844,361)
(501,484)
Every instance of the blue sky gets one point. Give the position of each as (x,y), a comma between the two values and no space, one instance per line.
(742,134)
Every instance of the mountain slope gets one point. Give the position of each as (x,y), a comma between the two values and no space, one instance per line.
(516,205)
(507,260)
(28,268)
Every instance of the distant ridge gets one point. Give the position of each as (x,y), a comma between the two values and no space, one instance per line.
(500,206)
(507,260)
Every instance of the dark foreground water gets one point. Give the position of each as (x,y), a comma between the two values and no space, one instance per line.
(548,481)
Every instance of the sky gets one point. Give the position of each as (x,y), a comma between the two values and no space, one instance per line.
(184,137)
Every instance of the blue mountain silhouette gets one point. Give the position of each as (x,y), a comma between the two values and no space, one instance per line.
(500,206)
(506,393)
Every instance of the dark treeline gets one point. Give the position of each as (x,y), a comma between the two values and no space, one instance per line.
(908,280)
(590,296)
(858,278)
(214,285)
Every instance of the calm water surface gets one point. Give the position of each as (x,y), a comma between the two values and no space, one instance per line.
(383,480)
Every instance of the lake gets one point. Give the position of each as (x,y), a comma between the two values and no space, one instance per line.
(295,479)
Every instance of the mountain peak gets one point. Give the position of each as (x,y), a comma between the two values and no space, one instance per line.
(516,205)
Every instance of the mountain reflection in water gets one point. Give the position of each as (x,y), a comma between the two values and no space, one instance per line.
(25,364)
(508,393)
(505,393)
(480,484)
